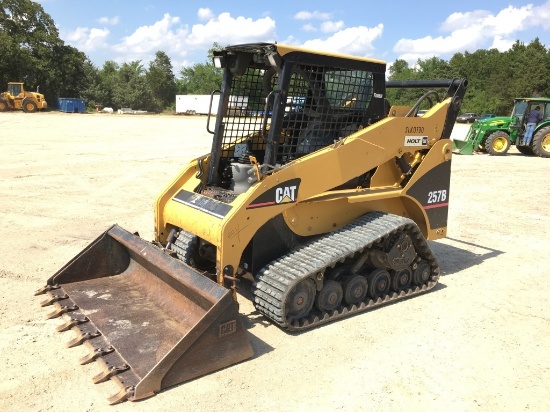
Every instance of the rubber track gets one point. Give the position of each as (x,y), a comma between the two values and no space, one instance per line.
(275,281)
(183,245)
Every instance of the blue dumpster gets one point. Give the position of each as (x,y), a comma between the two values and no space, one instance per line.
(70,105)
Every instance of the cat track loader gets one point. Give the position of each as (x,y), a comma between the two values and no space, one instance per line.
(319,191)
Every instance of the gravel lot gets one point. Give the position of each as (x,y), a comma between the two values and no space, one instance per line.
(479,341)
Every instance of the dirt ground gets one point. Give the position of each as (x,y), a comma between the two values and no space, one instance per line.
(479,341)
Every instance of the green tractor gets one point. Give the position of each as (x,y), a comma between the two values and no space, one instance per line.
(495,135)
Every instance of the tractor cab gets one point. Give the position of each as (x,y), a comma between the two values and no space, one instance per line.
(522,108)
(15,89)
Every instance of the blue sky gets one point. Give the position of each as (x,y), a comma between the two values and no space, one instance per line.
(134,30)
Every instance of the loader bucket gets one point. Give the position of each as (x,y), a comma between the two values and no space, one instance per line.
(464,147)
(149,319)
(470,142)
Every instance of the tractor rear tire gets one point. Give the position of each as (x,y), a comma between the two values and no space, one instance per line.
(541,142)
(3,105)
(498,143)
(29,106)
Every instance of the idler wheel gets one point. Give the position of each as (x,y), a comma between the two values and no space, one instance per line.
(379,283)
(330,297)
(355,289)
(422,273)
(300,300)
(401,279)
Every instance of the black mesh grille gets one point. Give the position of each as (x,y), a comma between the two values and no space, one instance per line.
(323,105)
(244,113)
(320,106)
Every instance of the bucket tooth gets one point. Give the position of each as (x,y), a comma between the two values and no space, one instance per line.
(149,320)
(70,323)
(121,396)
(82,337)
(45,289)
(96,353)
(109,373)
(60,310)
(53,298)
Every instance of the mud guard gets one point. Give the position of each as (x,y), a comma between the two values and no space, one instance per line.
(149,319)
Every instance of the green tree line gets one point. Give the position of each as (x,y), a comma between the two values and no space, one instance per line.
(32,52)
(494,78)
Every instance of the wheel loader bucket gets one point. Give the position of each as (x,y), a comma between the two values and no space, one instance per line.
(148,318)
(464,147)
(469,144)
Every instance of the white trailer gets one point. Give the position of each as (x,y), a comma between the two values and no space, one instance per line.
(196,103)
(200,104)
(238,106)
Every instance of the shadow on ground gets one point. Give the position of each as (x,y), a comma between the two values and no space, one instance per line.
(458,256)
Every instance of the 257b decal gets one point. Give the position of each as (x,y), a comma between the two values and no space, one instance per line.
(436,198)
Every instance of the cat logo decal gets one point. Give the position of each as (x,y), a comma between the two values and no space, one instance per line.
(286,192)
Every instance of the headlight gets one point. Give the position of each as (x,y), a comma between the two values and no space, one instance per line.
(219,62)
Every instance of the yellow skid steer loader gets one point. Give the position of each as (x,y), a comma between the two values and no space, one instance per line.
(315,187)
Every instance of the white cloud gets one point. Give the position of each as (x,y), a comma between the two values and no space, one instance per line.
(179,41)
(225,29)
(332,26)
(86,39)
(308,27)
(165,34)
(509,21)
(459,20)
(476,29)
(501,44)
(109,21)
(541,15)
(291,41)
(205,14)
(310,15)
(353,40)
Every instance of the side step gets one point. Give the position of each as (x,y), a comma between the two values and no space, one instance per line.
(149,319)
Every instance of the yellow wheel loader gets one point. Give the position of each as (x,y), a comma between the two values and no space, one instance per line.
(16,98)
(319,191)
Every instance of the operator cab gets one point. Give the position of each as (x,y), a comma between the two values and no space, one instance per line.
(279,103)
(522,108)
(15,89)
